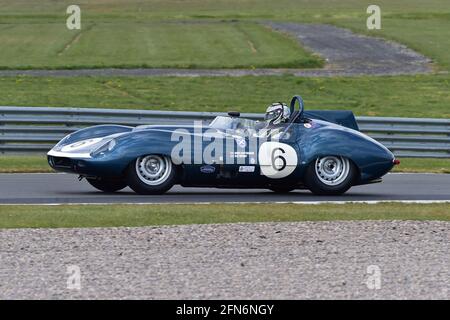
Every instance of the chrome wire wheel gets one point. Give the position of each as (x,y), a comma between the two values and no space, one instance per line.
(332,170)
(153,170)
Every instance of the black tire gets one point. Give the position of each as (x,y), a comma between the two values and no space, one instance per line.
(281,189)
(107,184)
(314,179)
(137,181)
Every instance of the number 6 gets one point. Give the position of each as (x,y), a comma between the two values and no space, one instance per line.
(278,157)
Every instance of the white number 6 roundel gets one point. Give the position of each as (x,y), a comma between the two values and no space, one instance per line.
(277,160)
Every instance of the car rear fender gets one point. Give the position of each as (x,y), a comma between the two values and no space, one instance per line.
(371,158)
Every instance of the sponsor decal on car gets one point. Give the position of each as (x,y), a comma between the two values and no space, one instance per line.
(256,147)
(241,142)
(207,169)
(246,168)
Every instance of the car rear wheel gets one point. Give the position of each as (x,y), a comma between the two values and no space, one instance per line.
(107,184)
(151,174)
(330,175)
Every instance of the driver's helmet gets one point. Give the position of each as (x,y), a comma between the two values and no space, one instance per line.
(277,113)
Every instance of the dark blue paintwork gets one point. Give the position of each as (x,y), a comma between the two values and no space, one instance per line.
(318,138)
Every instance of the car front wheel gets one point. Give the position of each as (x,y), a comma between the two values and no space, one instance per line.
(151,174)
(330,175)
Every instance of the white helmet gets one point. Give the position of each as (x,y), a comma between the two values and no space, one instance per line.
(277,113)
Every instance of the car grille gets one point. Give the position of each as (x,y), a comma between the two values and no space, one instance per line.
(60,162)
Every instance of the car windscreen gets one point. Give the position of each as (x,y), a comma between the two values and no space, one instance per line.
(225,123)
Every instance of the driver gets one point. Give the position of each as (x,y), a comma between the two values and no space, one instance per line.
(276,114)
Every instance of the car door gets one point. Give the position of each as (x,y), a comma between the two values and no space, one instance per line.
(243,158)
(259,157)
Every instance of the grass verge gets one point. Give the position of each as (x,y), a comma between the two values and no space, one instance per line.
(33,163)
(24,164)
(368,96)
(418,165)
(68,216)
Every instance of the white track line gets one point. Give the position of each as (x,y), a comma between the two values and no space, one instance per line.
(231,202)
(409,173)
(74,174)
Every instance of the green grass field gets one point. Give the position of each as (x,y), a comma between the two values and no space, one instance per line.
(154,215)
(150,45)
(428,34)
(24,163)
(155,33)
(106,10)
(200,33)
(36,163)
(416,96)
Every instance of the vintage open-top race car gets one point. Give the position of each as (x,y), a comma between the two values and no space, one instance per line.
(319,150)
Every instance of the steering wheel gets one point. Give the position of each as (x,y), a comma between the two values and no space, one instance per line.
(301,106)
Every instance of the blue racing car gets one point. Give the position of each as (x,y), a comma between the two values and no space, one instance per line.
(290,149)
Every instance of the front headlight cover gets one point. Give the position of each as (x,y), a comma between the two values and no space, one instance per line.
(61,143)
(107,146)
(83,146)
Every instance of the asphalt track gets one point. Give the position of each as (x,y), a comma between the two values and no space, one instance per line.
(65,188)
